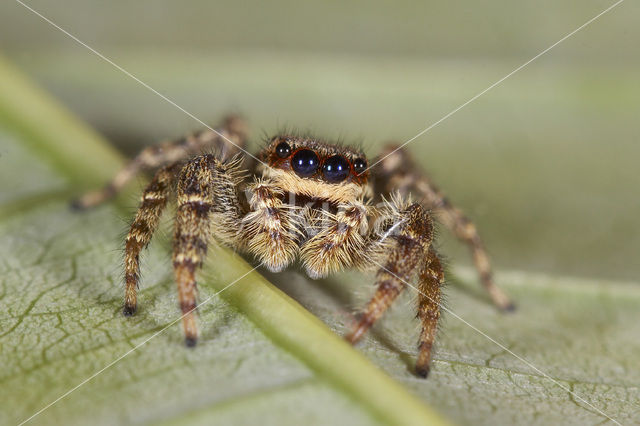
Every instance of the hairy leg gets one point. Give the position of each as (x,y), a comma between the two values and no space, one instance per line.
(411,234)
(191,236)
(398,172)
(154,200)
(207,201)
(429,288)
(233,128)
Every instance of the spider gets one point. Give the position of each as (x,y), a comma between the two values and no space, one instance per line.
(309,200)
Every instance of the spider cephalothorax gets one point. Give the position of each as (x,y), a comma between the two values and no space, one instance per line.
(306,200)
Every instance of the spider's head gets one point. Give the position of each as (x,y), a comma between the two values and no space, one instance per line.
(315,168)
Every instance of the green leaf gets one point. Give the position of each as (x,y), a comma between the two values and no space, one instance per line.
(262,356)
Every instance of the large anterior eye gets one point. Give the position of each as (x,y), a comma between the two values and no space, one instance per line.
(283,150)
(305,162)
(335,169)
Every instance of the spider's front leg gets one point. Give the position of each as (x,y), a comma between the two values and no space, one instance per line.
(400,173)
(429,289)
(207,198)
(409,238)
(233,129)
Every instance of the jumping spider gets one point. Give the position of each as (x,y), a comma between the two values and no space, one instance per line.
(307,199)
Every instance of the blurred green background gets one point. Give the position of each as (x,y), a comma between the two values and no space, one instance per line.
(545,163)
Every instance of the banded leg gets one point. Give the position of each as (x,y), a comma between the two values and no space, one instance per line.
(400,173)
(407,258)
(154,200)
(192,233)
(429,287)
(233,128)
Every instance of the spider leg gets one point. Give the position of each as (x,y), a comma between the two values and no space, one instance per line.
(191,235)
(207,203)
(233,128)
(400,173)
(429,286)
(410,238)
(154,200)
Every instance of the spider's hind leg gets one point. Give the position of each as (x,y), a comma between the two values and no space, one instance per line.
(400,173)
(233,129)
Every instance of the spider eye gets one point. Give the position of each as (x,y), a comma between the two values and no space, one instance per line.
(283,150)
(305,162)
(335,169)
(359,165)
